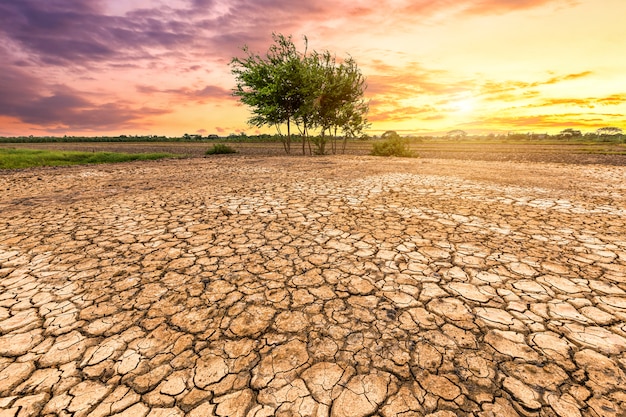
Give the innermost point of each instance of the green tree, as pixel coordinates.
(457, 134)
(568, 133)
(339, 106)
(390, 134)
(312, 91)
(610, 130)
(271, 85)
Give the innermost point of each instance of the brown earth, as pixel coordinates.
(255, 285)
(566, 153)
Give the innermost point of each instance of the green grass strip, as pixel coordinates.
(26, 158)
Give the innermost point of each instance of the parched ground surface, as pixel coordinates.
(335, 286)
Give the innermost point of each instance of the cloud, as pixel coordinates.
(556, 80)
(585, 102)
(505, 6)
(500, 90)
(411, 80)
(80, 32)
(548, 121)
(200, 95)
(30, 100)
(77, 32)
(612, 100)
(589, 102)
(405, 113)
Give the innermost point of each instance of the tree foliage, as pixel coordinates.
(390, 134)
(609, 130)
(312, 91)
(392, 144)
(570, 133)
(457, 133)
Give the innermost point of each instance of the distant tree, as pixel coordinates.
(390, 134)
(456, 133)
(610, 130)
(570, 133)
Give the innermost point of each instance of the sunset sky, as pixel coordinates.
(110, 67)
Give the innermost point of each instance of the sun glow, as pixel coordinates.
(464, 106)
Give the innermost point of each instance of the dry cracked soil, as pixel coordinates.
(331, 286)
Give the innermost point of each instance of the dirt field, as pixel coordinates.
(572, 153)
(251, 285)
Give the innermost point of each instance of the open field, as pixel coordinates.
(576, 153)
(255, 285)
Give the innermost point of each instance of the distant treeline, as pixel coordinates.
(453, 136)
(139, 138)
(58, 139)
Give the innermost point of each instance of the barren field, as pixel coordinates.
(567, 153)
(256, 285)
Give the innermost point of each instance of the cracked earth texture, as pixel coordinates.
(335, 286)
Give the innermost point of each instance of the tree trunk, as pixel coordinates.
(288, 143)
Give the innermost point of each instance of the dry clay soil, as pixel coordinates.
(330, 286)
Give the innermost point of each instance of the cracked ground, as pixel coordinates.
(334, 286)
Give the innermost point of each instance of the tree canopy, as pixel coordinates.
(609, 130)
(313, 91)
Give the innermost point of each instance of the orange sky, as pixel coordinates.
(109, 67)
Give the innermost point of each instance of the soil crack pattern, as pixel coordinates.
(344, 286)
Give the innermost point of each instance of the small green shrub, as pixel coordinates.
(219, 148)
(394, 146)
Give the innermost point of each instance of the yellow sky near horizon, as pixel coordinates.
(154, 67)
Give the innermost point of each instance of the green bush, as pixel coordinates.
(394, 146)
(219, 148)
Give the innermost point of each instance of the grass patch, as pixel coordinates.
(26, 158)
(220, 148)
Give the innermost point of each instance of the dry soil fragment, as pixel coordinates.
(362, 395)
(322, 379)
(67, 348)
(595, 337)
(235, 404)
(522, 393)
(252, 321)
(13, 375)
(18, 344)
(209, 371)
(280, 360)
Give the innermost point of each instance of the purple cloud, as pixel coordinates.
(59, 107)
